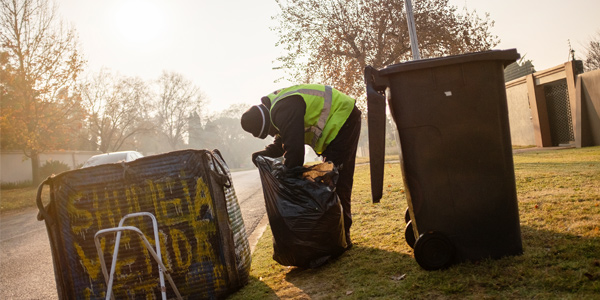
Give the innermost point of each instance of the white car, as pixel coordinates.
(112, 157)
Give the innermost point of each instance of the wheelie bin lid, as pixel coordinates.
(506, 56)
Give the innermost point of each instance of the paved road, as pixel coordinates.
(26, 270)
(248, 189)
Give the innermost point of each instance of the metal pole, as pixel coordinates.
(410, 19)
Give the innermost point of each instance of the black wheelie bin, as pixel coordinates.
(456, 154)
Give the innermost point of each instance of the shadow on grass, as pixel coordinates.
(255, 289)
(360, 272)
(560, 263)
(554, 265)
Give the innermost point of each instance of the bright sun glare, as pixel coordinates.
(139, 21)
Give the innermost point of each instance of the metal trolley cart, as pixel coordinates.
(199, 233)
(456, 155)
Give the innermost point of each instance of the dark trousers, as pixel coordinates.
(342, 152)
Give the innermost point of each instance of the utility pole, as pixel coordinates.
(414, 44)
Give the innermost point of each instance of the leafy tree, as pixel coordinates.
(592, 60)
(39, 67)
(117, 107)
(177, 99)
(331, 41)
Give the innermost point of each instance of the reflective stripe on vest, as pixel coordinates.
(327, 96)
(326, 112)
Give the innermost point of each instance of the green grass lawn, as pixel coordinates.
(559, 198)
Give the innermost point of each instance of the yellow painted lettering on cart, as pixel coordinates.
(133, 265)
(151, 195)
(133, 199)
(124, 266)
(168, 197)
(170, 211)
(103, 211)
(81, 220)
(204, 227)
(203, 196)
(87, 293)
(116, 198)
(202, 224)
(146, 288)
(184, 187)
(91, 266)
(181, 248)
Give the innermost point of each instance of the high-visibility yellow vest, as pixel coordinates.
(327, 109)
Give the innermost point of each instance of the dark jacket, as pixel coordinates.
(288, 116)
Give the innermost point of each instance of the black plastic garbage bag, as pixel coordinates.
(305, 214)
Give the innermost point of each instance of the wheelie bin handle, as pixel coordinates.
(376, 122)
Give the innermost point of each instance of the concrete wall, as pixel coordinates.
(519, 113)
(528, 111)
(587, 126)
(13, 167)
(16, 167)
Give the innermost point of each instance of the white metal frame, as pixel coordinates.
(162, 270)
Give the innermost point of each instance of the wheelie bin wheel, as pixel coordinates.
(406, 216)
(434, 251)
(409, 234)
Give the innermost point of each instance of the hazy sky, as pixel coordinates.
(227, 49)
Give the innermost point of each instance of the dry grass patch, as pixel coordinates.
(13, 200)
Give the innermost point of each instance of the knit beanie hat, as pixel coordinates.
(256, 120)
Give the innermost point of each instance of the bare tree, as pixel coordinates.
(592, 59)
(117, 107)
(223, 131)
(331, 41)
(40, 65)
(178, 99)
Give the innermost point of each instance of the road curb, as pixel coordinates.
(257, 233)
